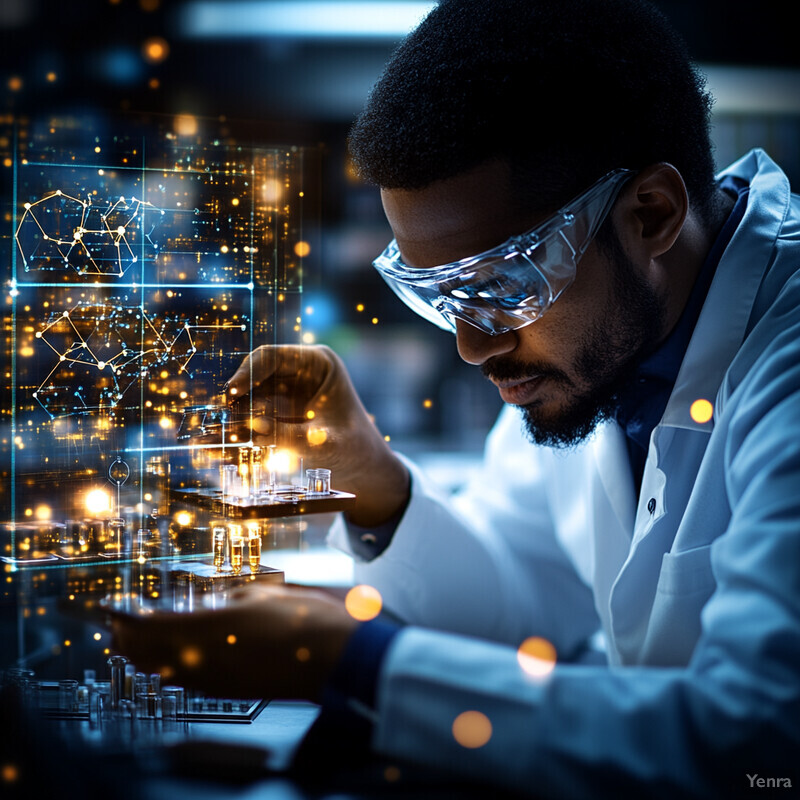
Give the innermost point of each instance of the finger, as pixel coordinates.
(267, 362)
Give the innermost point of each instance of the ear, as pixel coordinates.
(655, 205)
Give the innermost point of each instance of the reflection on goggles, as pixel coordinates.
(513, 284)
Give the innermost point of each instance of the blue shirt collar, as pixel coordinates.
(642, 405)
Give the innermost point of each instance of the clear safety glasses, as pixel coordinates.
(511, 285)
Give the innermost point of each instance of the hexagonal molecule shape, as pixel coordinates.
(59, 231)
(100, 351)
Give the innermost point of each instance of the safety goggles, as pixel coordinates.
(511, 285)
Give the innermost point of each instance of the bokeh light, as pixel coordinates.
(537, 656)
(98, 501)
(155, 49)
(701, 410)
(472, 729)
(363, 602)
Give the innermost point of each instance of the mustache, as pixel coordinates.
(503, 368)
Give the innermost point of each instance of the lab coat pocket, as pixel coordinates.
(687, 573)
(685, 584)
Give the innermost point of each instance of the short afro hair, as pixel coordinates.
(562, 90)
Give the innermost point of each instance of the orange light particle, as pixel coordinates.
(363, 602)
(191, 656)
(472, 729)
(537, 656)
(701, 410)
(155, 49)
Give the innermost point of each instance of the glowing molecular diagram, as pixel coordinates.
(104, 348)
(60, 231)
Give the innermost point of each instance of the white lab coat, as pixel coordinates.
(696, 586)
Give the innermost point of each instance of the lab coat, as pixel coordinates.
(695, 584)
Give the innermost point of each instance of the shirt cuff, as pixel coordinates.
(354, 680)
(369, 543)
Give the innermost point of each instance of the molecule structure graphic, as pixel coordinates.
(59, 231)
(103, 349)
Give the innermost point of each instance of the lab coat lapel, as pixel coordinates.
(613, 504)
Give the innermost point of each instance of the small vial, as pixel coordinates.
(117, 664)
(220, 540)
(178, 696)
(68, 695)
(116, 533)
(256, 472)
(318, 481)
(244, 470)
(143, 537)
(231, 481)
(130, 673)
(254, 547)
(141, 685)
(147, 705)
(237, 548)
(272, 467)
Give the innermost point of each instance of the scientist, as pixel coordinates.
(546, 170)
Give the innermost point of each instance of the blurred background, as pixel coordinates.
(268, 72)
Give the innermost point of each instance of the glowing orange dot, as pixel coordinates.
(363, 602)
(10, 773)
(155, 49)
(185, 124)
(391, 774)
(427, 403)
(154, 83)
(15, 83)
(303, 654)
(302, 249)
(191, 656)
(360, 307)
(374, 320)
(310, 414)
(472, 729)
(701, 410)
(537, 656)
(51, 77)
(231, 639)
(316, 436)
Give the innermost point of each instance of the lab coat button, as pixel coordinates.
(651, 505)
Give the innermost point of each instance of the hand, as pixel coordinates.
(269, 641)
(302, 397)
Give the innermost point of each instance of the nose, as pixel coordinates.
(475, 346)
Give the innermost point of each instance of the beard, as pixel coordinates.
(608, 355)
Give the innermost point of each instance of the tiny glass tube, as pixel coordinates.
(256, 472)
(220, 540)
(244, 470)
(272, 467)
(237, 548)
(117, 664)
(231, 482)
(143, 537)
(116, 533)
(254, 546)
(178, 695)
(68, 695)
(318, 481)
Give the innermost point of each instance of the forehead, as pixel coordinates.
(456, 217)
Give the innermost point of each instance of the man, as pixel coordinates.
(647, 526)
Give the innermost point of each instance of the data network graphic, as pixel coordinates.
(140, 267)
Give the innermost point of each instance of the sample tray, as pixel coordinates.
(291, 502)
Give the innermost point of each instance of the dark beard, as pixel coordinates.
(608, 357)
